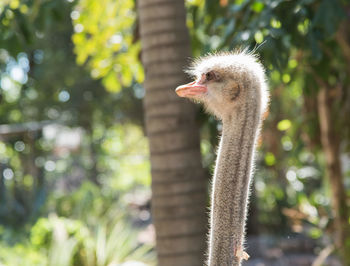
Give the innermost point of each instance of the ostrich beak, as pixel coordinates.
(191, 89)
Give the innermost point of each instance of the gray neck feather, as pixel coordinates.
(231, 183)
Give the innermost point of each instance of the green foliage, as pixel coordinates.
(21, 255)
(40, 80)
(70, 242)
(97, 232)
(104, 41)
(61, 241)
(280, 25)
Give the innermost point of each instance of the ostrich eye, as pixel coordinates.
(210, 76)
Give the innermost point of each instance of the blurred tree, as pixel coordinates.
(40, 80)
(179, 187)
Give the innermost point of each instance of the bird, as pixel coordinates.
(232, 86)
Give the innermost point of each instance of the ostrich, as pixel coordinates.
(232, 87)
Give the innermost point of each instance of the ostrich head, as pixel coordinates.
(227, 83)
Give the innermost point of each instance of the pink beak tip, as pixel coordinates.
(190, 89)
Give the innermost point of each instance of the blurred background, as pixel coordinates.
(75, 166)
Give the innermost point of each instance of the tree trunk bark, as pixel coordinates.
(179, 189)
(331, 147)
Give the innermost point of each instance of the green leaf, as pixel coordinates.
(257, 7)
(284, 125)
(259, 37)
(111, 83)
(270, 159)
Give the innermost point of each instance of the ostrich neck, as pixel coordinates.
(231, 186)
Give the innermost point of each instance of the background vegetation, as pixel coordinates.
(74, 164)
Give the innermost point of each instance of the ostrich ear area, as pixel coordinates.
(191, 89)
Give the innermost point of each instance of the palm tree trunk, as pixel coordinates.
(178, 182)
